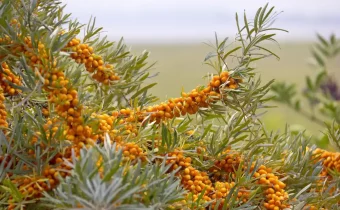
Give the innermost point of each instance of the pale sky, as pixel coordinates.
(192, 20)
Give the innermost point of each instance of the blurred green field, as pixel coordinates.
(181, 66)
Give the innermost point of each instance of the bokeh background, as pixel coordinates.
(174, 31)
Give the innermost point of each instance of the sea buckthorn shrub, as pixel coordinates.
(79, 129)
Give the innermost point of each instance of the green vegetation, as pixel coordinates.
(81, 129)
(184, 63)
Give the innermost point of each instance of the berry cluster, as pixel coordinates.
(224, 81)
(15, 23)
(132, 152)
(6, 78)
(62, 95)
(66, 104)
(33, 186)
(227, 166)
(189, 103)
(64, 98)
(276, 196)
(193, 180)
(330, 160)
(223, 189)
(196, 181)
(217, 184)
(117, 128)
(30, 187)
(5, 42)
(274, 191)
(176, 159)
(3, 113)
(312, 207)
(83, 53)
(331, 163)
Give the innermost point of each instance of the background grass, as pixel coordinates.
(181, 66)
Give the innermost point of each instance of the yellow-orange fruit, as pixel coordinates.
(3, 113)
(6, 78)
(83, 53)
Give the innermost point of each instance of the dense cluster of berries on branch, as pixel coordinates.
(64, 97)
(276, 196)
(3, 113)
(189, 103)
(61, 94)
(6, 78)
(192, 179)
(330, 160)
(330, 169)
(126, 122)
(94, 64)
(81, 53)
(218, 181)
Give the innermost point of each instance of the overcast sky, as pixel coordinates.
(192, 20)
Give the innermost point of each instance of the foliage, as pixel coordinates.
(321, 94)
(79, 129)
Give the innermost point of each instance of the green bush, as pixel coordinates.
(79, 129)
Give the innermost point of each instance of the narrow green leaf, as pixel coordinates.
(240, 32)
(222, 44)
(268, 14)
(274, 29)
(246, 26)
(271, 53)
(231, 51)
(210, 55)
(303, 190)
(14, 190)
(261, 15)
(318, 58)
(256, 20)
(143, 90)
(322, 40)
(333, 39)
